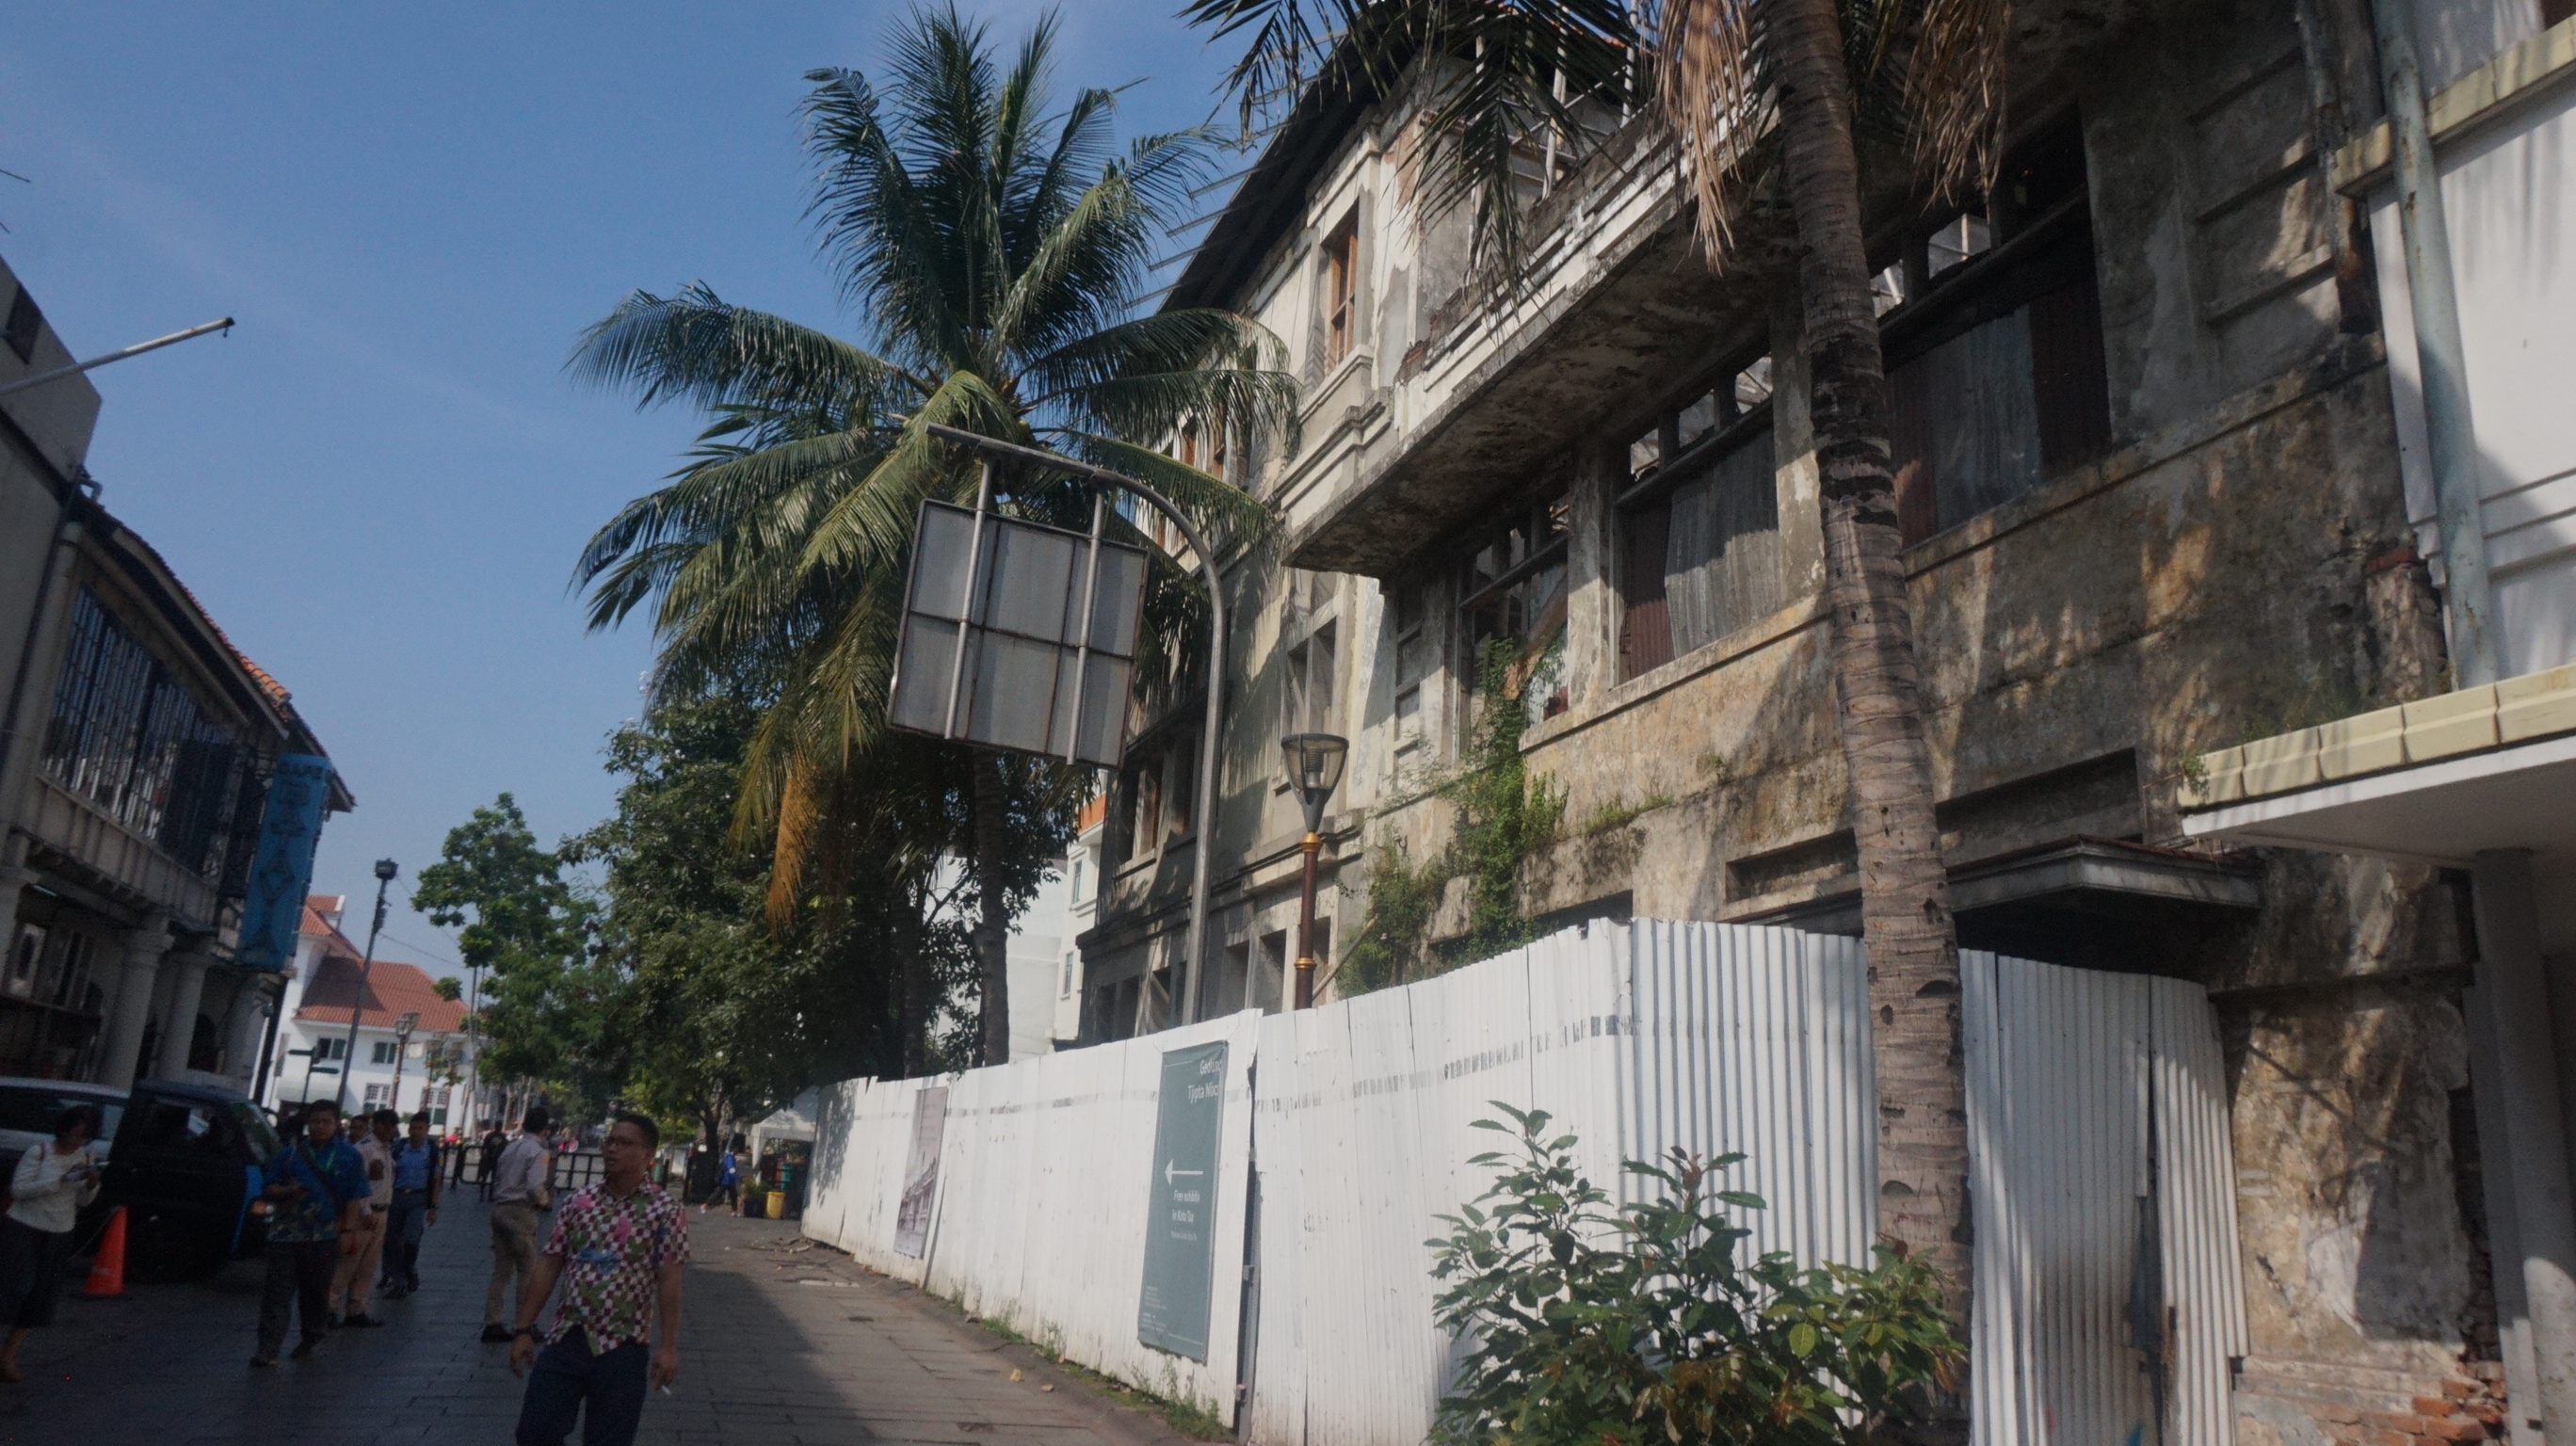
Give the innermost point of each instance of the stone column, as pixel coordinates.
(245, 1025)
(144, 946)
(179, 1025)
(2512, 992)
(1793, 440)
(1592, 609)
(15, 876)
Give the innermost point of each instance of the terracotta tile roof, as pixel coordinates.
(392, 989)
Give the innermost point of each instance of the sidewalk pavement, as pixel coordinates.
(781, 1341)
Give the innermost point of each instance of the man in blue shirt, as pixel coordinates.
(316, 1193)
(416, 1184)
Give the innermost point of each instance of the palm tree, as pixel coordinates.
(1787, 89)
(993, 251)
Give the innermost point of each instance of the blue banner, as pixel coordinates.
(281, 873)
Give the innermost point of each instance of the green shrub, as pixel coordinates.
(1595, 1326)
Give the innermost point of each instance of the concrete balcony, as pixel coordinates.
(2444, 780)
(1617, 309)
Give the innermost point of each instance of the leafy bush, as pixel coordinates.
(1601, 1326)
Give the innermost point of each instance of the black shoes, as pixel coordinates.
(360, 1321)
(496, 1335)
(304, 1347)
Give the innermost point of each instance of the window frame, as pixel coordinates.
(1337, 274)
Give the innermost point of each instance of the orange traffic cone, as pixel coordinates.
(107, 1268)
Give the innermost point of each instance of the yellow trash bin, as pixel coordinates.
(777, 1204)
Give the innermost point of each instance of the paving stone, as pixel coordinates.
(764, 1359)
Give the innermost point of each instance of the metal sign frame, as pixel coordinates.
(1008, 640)
(1204, 825)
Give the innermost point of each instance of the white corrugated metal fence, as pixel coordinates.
(2106, 1261)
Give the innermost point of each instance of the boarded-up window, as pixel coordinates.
(1996, 380)
(1512, 604)
(1703, 554)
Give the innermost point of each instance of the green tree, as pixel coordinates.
(727, 1010)
(446, 987)
(547, 1001)
(994, 249)
(1779, 100)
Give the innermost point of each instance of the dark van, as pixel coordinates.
(186, 1166)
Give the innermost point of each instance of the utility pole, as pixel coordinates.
(404, 1024)
(385, 871)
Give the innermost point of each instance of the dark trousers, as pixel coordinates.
(605, 1390)
(403, 1227)
(299, 1276)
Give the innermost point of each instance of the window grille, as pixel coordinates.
(131, 739)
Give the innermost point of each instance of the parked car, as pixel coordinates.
(28, 1107)
(186, 1165)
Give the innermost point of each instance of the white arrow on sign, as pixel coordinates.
(1173, 1167)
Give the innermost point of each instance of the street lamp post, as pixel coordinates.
(1204, 824)
(1314, 769)
(385, 871)
(404, 1024)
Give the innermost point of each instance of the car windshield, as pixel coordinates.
(255, 1127)
(32, 1108)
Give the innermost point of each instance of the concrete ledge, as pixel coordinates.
(2450, 725)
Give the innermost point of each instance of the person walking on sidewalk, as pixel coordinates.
(618, 1247)
(522, 1185)
(355, 1278)
(416, 1187)
(494, 1142)
(53, 1181)
(728, 1185)
(317, 1195)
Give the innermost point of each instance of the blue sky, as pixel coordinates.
(378, 482)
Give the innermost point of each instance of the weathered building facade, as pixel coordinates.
(2158, 509)
(135, 758)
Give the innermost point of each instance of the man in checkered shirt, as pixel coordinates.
(617, 1246)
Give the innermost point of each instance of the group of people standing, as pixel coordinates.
(347, 1211)
(615, 1247)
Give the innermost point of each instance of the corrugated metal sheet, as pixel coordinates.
(2097, 1119)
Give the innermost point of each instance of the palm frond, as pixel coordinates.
(695, 347)
(1710, 91)
(1953, 95)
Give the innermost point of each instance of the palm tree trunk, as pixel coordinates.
(993, 918)
(1912, 942)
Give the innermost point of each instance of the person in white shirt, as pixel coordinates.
(52, 1182)
(522, 1185)
(355, 1275)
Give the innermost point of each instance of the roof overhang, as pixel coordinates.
(2444, 812)
(2083, 901)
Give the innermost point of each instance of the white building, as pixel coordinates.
(1082, 883)
(1040, 940)
(313, 1041)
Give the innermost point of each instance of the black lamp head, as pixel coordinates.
(1314, 762)
(386, 869)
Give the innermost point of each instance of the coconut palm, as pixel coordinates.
(992, 250)
(1776, 97)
